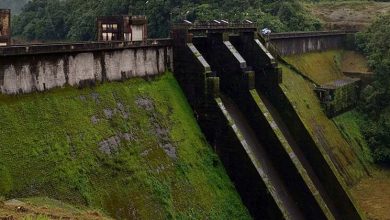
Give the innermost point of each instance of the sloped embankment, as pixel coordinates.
(323, 130)
(321, 67)
(132, 149)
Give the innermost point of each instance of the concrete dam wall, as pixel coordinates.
(305, 42)
(29, 69)
(232, 83)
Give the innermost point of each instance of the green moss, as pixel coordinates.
(6, 180)
(321, 67)
(39, 217)
(50, 143)
(323, 130)
(348, 124)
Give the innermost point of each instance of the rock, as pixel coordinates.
(161, 132)
(14, 202)
(145, 103)
(121, 108)
(110, 145)
(95, 97)
(95, 119)
(128, 137)
(83, 98)
(108, 113)
(170, 150)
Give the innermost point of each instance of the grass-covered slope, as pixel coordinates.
(348, 124)
(372, 192)
(323, 130)
(131, 148)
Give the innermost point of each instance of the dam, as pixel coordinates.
(233, 84)
(232, 80)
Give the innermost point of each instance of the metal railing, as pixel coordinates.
(216, 26)
(300, 34)
(60, 47)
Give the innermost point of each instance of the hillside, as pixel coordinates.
(132, 149)
(348, 14)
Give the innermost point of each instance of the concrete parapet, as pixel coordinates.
(26, 73)
(304, 42)
(53, 48)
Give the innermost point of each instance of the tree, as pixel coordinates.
(58, 20)
(375, 101)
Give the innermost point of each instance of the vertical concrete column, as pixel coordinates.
(232, 69)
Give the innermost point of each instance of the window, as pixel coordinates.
(105, 35)
(115, 26)
(127, 37)
(104, 27)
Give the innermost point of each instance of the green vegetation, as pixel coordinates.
(132, 149)
(48, 20)
(321, 67)
(375, 99)
(349, 125)
(326, 134)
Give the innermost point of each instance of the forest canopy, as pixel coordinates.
(375, 101)
(74, 20)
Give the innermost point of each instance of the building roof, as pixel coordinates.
(339, 83)
(134, 19)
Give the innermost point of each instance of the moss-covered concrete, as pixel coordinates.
(336, 157)
(317, 156)
(237, 82)
(192, 70)
(321, 67)
(132, 149)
